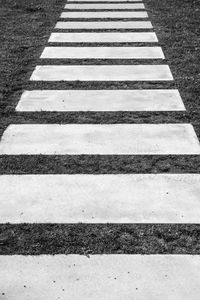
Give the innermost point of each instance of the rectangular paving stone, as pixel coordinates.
(101, 100)
(103, 37)
(104, 25)
(104, 14)
(110, 139)
(110, 277)
(102, 73)
(124, 198)
(104, 6)
(103, 53)
(104, 1)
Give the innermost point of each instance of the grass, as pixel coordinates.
(25, 29)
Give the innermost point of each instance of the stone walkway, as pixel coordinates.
(109, 198)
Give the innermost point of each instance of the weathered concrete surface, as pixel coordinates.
(109, 277)
(74, 139)
(104, 6)
(104, 14)
(101, 100)
(102, 73)
(124, 198)
(103, 53)
(103, 37)
(104, 25)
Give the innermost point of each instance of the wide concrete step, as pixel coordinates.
(104, 1)
(123, 198)
(104, 6)
(104, 14)
(103, 37)
(101, 100)
(110, 277)
(75, 139)
(103, 53)
(102, 73)
(104, 25)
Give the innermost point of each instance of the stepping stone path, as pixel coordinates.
(90, 198)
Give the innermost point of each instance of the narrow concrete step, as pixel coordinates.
(110, 277)
(101, 100)
(75, 139)
(103, 53)
(102, 73)
(104, 14)
(103, 37)
(133, 198)
(104, 6)
(104, 25)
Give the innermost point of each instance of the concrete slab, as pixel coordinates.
(104, 14)
(101, 100)
(109, 277)
(103, 37)
(104, 6)
(127, 198)
(104, 25)
(105, 1)
(103, 53)
(102, 73)
(75, 139)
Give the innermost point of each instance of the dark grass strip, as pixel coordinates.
(112, 117)
(102, 19)
(103, 44)
(59, 30)
(98, 164)
(86, 239)
(94, 62)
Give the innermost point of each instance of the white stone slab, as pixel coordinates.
(104, 6)
(104, 25)
(101, 100)
(103, 37)
(109, 277)
(108, 139)
(104, 14)
(103, 53)
(105, 1)
(102, 73)
(135, 198)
